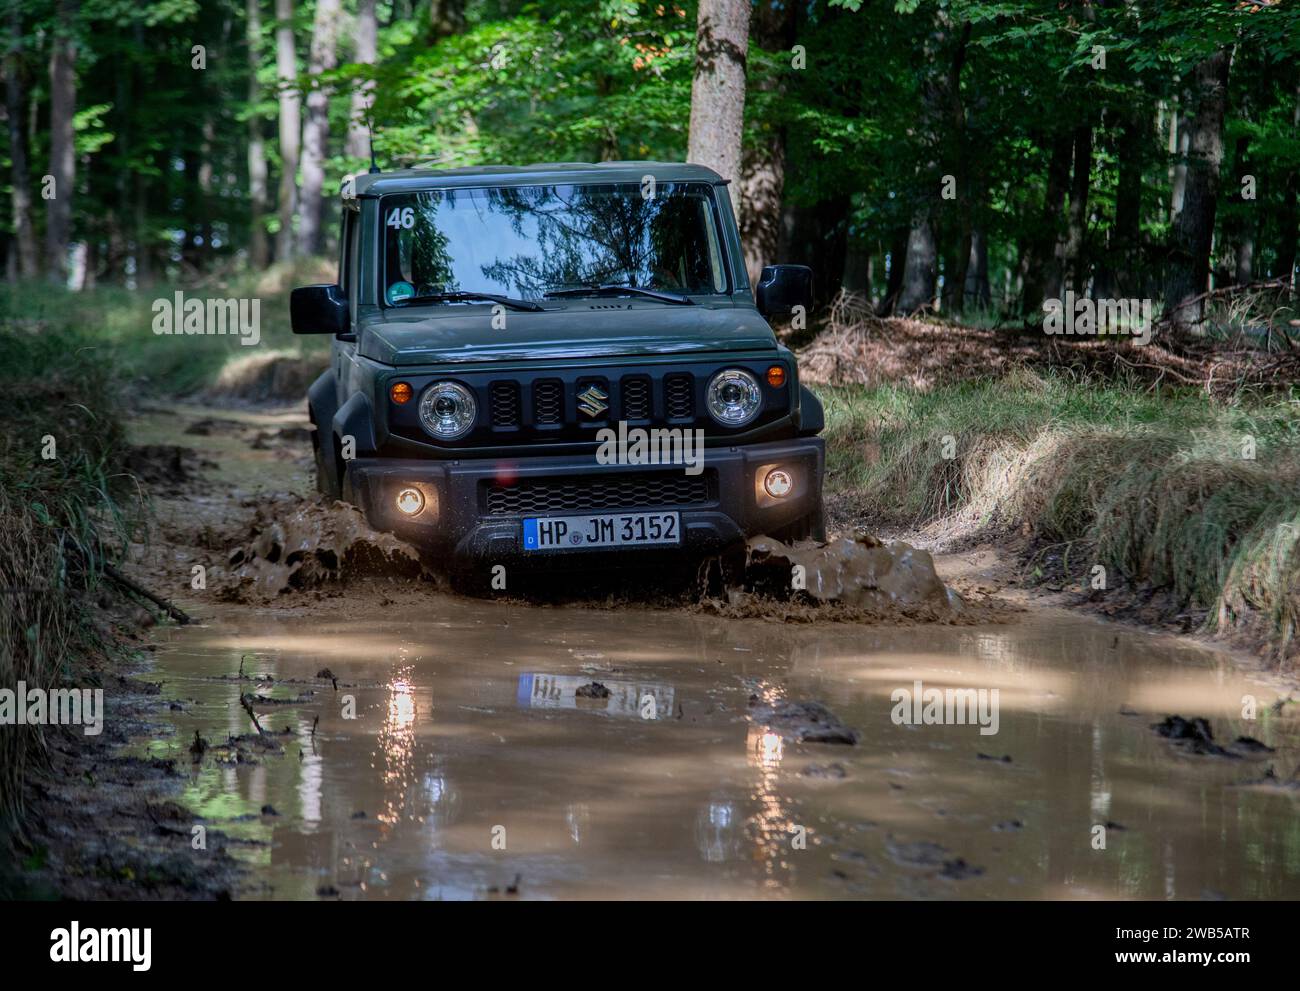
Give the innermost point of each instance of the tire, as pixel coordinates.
(324, 485)
(810, 527)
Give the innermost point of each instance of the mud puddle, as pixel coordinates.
(420, 744)
(477, 722)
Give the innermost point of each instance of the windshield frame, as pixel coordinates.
(725, 246)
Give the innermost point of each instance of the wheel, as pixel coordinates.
(812, 526)
(325, 483)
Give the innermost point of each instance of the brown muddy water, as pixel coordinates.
(481, 762)
(468, 727)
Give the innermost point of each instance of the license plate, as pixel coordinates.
(554, 533)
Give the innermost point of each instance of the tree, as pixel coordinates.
(1193, 231)
(762, 184)
(315, 131)
(718, 91)
(16, 93)
(367, 51)
(258, 249)
(63, 160)
(286, 66)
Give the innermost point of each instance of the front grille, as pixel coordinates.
(679, 397)
(636, 398)
(504, 404)
(648, 490)
(548, 401)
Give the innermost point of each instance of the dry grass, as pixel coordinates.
(1157, 485)
(855, 347)
(60, 515)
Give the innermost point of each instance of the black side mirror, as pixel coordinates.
(783, 287)
(319, 310)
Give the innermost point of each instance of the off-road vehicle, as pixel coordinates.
(494, 328)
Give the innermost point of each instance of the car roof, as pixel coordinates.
(368, 184)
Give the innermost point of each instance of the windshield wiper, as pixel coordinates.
(461, 296)
(614, 289)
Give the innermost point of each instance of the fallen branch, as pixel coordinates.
(171, 609)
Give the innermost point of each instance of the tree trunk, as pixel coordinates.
(286, 68)
(1290, 215)
(1076, 255)
(446, 17)
(818, 237)
(977, 271)
(1126, 244)
(894, 275)
(204, 255)
(63, 161)
(921, 265)
(25, 252)
(762, 185)
(1039, 269)
(1180, 127)
(315, 130)
(1192, 235)
(259, 252)
(367, 33)
(718, 90)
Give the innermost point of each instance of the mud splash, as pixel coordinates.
(295, 544)
(857, 579)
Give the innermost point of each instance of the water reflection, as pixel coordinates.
(665, 788)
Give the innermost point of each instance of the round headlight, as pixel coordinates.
(733, 397)
(447, 410)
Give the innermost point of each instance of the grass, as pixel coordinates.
(121, 323)
(65, 509)
(1160, 488)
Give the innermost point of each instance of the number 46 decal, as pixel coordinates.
(403, 217)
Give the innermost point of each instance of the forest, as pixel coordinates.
(967, 158)
(1104, 528)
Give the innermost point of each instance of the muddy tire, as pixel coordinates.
(323, 483)
(810, 527)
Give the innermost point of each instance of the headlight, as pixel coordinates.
(447, 410)
(733, 397)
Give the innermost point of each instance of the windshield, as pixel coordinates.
(525, 241)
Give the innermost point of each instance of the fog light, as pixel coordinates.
(410, 501)
(776, 376)
(778, 483)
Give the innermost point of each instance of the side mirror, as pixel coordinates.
(783, 287)
(319, 310)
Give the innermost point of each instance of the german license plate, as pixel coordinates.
(555, 533)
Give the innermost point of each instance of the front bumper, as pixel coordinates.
(460, 520)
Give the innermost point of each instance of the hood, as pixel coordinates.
(441, 333)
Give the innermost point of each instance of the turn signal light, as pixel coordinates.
(776, 376)
(401, 392)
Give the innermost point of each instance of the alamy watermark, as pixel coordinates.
(657, 446)
(921, 706)
(94, 945)
(1098, 317)
(235, 316)
(55, 707)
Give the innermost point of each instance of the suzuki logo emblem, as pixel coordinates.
(592, 401)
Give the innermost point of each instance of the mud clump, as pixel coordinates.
(300, 545)
(802, 722)
(167, 469)
(1195, 736)
(595, 690)
(857, 578)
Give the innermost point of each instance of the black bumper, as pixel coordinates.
(473, 509)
